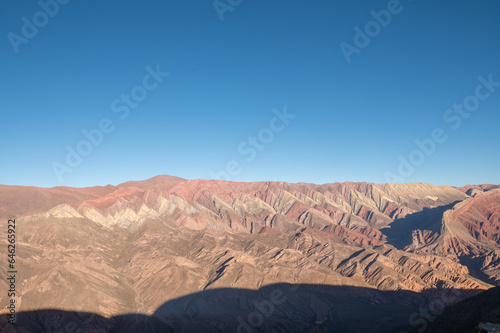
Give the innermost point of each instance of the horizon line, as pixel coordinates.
(255, 181)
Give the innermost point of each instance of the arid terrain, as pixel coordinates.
(169, 254)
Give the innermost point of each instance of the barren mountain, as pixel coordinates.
(196, 255)
(470, 231)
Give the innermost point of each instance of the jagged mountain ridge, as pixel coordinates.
(139, 244)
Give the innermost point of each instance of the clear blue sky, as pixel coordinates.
(352, 121)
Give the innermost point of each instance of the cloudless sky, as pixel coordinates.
(353, 121)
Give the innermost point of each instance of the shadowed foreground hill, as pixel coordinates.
(465, 315)
(274, 308)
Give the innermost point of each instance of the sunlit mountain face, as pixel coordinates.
(170, 254)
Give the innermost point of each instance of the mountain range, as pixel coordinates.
(170, 254)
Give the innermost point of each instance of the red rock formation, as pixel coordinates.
(140, 244)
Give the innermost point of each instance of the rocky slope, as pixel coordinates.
(140, 246)
(470, 231)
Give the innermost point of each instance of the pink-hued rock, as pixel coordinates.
(130, 248)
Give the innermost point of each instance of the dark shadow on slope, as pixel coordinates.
(466, 315)
(273, 308)
(474, 264)
(400, 232)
